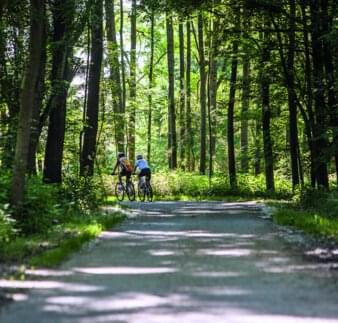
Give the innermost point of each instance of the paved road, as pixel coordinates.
(182, 262)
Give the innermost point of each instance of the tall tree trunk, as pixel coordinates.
(132, 83)
(150, 87)
(309, 119)
(52, 172)
(213, 93)
(266, 116)
(292, 96)
(38, 103)
(244, 113)
(37, 12)
(189, 135)
(230, 128)
(203, 79)
(123, 67)
(182, 96)
(114, 64)
(331, 90)
(90, 131)
(172, 145)
(320, 132)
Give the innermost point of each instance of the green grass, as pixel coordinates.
(308, 221)
(53, 247)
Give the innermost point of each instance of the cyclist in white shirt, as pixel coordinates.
(142, 168)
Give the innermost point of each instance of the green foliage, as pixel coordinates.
(85, 194)
(194, 185)
(7, 231)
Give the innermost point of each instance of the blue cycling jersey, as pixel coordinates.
(141, 164)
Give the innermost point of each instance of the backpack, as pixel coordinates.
(126, 164)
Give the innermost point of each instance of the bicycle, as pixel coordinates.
(128, 188)
(145, 191)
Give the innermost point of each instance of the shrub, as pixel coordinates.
(7, 231)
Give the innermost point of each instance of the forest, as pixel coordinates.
(222, 97)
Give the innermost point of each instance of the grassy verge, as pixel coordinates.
(51, 248)
(312, 221)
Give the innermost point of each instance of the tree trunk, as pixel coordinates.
(132, 83)
(114, 64)
(266, 114)
(90, 130)
(38, 103)
(37, 12)
(244, 113)
(182, 96)
(189, 135)
(52, 172)
(309, 119)
(123, 68)
(203, 133)
(172, 145)
(151, 81)
(320, 131)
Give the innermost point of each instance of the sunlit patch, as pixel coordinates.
(225, 252)
(162, 253)
(192, 234)
(297, 268)
(126, 301)
(17, 297)
(113, 235)
(215, 291)
(217, 274)
(27, 284)
(126, 270)
(48, 272)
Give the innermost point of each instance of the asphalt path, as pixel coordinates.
(181, 262)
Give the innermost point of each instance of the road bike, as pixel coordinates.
(144, 189)
(122, 189)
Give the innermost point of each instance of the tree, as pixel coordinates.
(37, 11)
(115, 78)
(132, 83)
(203, 79)
(172, 145)
(88, 153)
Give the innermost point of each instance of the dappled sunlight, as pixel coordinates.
(225, 252)
(48, 272)
(125, 270)
(48, 284)
(163, 253)
(319, 268)
(216, 291)
(122, 301)
(113, 235)
(215, 274)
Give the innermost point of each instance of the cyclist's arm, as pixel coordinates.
(115, 167)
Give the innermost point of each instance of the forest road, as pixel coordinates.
(182, 262)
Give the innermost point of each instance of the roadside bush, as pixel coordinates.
(7, 231)
(195, 185)
(83, 194)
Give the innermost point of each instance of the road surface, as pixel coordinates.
(181, 262)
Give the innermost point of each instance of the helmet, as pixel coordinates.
(139, 157)
(121, 154)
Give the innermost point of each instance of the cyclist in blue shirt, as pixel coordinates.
(142, 168)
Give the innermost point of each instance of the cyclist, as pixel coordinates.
(124, 166)
(142, 168)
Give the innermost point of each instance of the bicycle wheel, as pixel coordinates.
(119, 191)
(149, 191)
(130, 189)
(141, 192)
